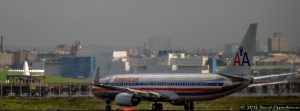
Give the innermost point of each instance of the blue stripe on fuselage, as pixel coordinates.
(144, 83)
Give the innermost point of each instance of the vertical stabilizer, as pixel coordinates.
(26, 69)
(241, 61)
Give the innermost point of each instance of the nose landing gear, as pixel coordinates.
(108, 105)
(189, 106)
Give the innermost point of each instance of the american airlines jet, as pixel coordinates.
(182, 88)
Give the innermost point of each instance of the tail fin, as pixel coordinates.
(26, 69)
(242, 59)
(97, 76)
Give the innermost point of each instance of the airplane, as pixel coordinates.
(181, 88)
(26, 71)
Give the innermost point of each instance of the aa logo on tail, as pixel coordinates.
(241, 54)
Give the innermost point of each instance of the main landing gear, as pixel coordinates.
(157, 107)
(108, 105)
(189, 106)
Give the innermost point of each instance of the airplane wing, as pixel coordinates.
(286, 80)
(270, 83)
(274, 75)
(132, 91)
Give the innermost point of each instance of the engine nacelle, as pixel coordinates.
(126, 99)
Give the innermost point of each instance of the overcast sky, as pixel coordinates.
(189, 23)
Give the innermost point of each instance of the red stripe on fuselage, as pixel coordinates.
(166, 89)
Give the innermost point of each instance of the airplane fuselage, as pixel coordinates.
(178, 87)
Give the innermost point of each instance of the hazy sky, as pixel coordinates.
(189, 23)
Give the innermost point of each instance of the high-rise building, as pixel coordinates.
(6, 59)
(159, 43)
(277, 43)
(63, 49)
(77, 48)
(31, 56)
(1, 45)
(134, 52)
(19, 57)
(230, 49)
(155, 44)
(261, 46)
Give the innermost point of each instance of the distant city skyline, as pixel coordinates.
(188, 24)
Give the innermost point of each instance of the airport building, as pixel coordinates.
(261, 46)
(77, 67)
(65, 65)
(166, 61)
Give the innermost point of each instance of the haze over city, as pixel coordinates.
(114, 54)
(189, 24)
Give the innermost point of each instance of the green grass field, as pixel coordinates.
(49, 78)
(227, 103)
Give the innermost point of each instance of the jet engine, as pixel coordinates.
(126, 99)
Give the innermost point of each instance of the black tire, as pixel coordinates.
(157, 107)
(186, 107)
(153, 106)
(108, 108)
(189, 106)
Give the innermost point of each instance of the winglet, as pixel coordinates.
(97, 76)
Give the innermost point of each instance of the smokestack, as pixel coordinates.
(1, 46)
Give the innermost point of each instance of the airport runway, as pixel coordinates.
(91, 103)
